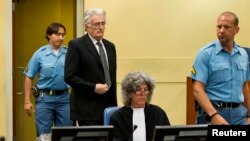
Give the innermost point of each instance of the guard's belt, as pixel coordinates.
(230, 105)
(53, 92)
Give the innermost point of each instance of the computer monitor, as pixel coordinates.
(82, 133)
(181, 133)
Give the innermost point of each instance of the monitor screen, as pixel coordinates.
(181, 133)
(82, 133)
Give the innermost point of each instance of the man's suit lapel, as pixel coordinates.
(91, 48)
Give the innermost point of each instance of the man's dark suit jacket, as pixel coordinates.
(83, 70)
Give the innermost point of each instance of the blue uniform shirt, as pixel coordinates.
(49, 67)
(222, 73)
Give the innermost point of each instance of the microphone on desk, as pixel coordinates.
(131, 135)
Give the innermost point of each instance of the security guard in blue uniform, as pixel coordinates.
(52, 97)
(220, 77)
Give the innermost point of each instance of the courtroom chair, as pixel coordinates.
(191, 102)
(108, 112)
(248, 53)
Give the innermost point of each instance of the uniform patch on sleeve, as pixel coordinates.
(193, 71)
(26, 69)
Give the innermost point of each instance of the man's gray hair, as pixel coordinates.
(89, 13)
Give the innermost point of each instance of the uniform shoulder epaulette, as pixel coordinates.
(64, 47)
(239, 46)
(211, 44)
(42, 48)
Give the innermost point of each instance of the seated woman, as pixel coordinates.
(137, 119)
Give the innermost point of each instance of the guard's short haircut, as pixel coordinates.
(226, 13)
(53, 28)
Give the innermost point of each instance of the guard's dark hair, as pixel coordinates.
(53, 28)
